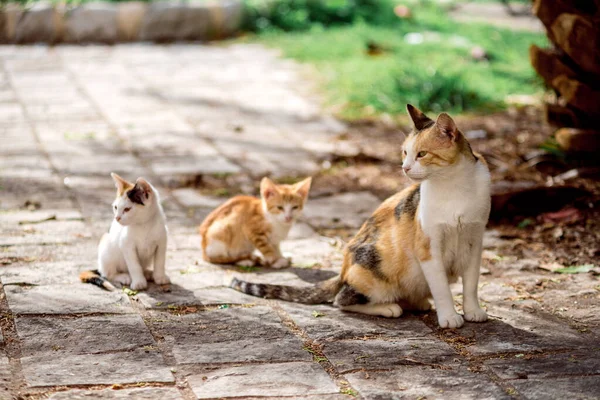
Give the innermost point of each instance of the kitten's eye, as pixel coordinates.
(421, 154)
(280, 208)
(115, 207)
(295, 208)
(126, 209)
(404, 152)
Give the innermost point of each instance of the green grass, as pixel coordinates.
(438, 74)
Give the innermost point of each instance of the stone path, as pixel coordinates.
(182, 115)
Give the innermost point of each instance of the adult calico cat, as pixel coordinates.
(417, 241)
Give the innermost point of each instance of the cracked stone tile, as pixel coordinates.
(86, 335)
(228, 335)
(453, 382)
(572, 388)
(335, 324)
(287, 379)
(49, 232)
(347, 355)
(5, 377)
(515, 328)
(95, 369)
(205, 297)
(43, 273)
(349, 210)
(66, 299)
(310, 251)
(150, 393)
(544, 366)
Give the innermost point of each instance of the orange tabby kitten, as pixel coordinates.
(232, 231)
(417, 241)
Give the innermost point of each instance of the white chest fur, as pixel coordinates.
(462, 197)
(279, 230)
(144, 238)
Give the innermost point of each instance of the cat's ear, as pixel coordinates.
(268, 188)
(420, 120)
(303, 187)
(447, 127)
(121, 184)
(140, 192)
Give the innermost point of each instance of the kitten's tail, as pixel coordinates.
(95, 278)
(322, 292)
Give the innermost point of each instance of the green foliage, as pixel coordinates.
(433, 71)
(300, 15)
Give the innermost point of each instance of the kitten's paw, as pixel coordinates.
(477, 315)
(451, 321)
(138, 284)
(281, 263)
(245, 263)
(161, 279)
(123, 279)
(391, 311)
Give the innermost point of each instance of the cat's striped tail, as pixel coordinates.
(95, 278)
(322, 292)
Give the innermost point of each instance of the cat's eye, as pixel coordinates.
(421, 154)
(115, 207)
(295, 208)
(280, 208)
(404, 152)
(126, 209)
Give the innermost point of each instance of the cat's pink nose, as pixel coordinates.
(118, 219)
(406, 169)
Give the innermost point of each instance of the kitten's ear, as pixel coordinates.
(420, 120)
(121, 184)
(140, 192)
(446, 125)
(267, 188)
(303, 187)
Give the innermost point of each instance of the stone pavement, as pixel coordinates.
(190, 118)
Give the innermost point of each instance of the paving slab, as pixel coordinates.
(350, 355)
(265, 380)
(452, 381)
(542, 366)
(335, 324)
(35, 272)
(347, 210)
(576, 388)
(202, 297)
(95, 369)
(66, 299)
(5, 377)
(86, 335)
(150, 393)
(228, 335)
(310, 251)
(521, 329)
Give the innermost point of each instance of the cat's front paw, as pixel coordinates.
(477, 315)
(138, 284)
(451, 321)
(161, 279)
(123, 279)
(282, 262)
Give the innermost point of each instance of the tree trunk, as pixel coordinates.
(572, 68)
